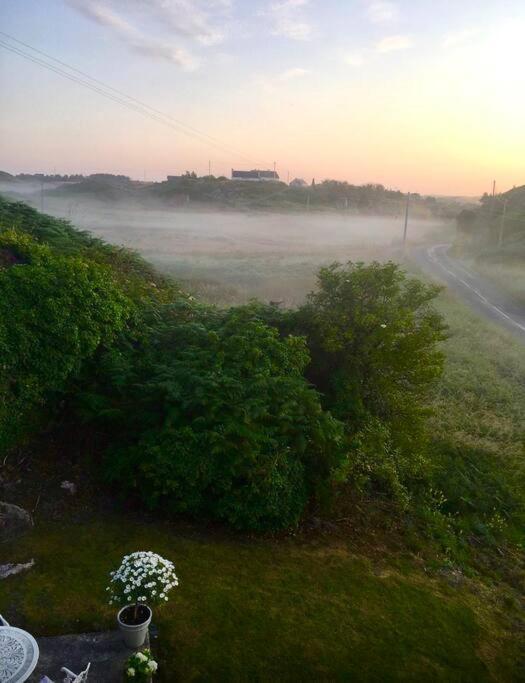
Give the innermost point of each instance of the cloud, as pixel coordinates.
(193, 21)
(286, 19)
(289, 74)
(188, 18)
(354, 59)
(459, 37)
(176, 55)
(393, 43)
(382, 11)
(101, 15)
(273, 83)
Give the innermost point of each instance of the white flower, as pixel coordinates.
(147, 571)
(141, 656)
(130, 671)
(383, 325)
(153, 666)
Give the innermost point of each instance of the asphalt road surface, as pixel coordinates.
(480, 294)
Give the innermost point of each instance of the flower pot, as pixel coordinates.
(134, 629)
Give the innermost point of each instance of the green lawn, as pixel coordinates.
(265, 609)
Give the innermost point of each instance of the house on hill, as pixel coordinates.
(255, 175)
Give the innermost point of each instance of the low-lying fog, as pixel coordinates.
(230, 256)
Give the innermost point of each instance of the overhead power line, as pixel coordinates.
(117, 96)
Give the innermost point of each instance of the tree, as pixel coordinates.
(466, 221)
(373, 339)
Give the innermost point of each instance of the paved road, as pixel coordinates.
(481, 295)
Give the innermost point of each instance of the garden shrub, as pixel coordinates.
(55, 311)
(373, 335)
(220, 420)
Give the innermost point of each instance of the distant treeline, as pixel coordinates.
(220, 192)
(496, 229)
(52, 177)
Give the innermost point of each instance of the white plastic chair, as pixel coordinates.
(3, 622)
(75, 678)
(70, 676)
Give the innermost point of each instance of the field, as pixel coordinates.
(230, 257)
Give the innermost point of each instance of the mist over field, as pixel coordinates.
(232, 256)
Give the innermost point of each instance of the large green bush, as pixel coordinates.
(55, 311)
(373, 338)
(216, 418)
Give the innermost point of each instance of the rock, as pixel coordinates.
(69, 486)
(14, 520)
(11, 569)
(454, 577)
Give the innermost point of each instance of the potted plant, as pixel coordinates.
(143, 579)
(140, 667)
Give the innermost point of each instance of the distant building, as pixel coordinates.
(255, 175)
(191, 175)
(298, 182)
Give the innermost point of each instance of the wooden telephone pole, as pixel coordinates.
(502, 224)
(406, 220)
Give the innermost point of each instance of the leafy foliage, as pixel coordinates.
(134, 275)
(219, 420)
(53, 231)
(55, 311)
(494, 232)
(373, 335)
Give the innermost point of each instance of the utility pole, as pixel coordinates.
(493, 198)
(406, 220)
(502, 224)
(274, 167)
(209, 167)
(308, 201)
(288, 177)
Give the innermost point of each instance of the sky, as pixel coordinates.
(421, 96)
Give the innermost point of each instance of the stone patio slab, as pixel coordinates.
(105, 650)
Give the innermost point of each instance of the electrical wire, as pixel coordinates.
(117, 96)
